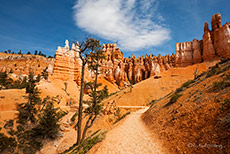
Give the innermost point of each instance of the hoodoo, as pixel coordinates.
(124, 71)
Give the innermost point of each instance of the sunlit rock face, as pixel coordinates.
(208, 48)
(215, 44)
(184, 54)
(196, 48)
(115, 68)
(67, 63)
(125, 71)
(221, 36)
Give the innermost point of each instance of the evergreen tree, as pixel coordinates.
(48, 122)
(5, 81)
(89, 53)
(27, 111)
(20, 52)
(34, 123)
(38, 78)
(45, 73)
(94, 104)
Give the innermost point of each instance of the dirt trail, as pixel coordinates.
(129, 137)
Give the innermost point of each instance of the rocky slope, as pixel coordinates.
(19, 65)
(195, 119)
(156, 87)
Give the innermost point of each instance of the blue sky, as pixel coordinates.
(137, 26)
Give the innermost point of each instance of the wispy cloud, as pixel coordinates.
(132, 24)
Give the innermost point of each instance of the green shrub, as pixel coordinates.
(122, 117)
(186, 84)
(45, 73)
(174, 98)
(9, 124)
(117, 113)
(152, 102)
(218, 86)
(7, 144)
(214, 70)
(173, 117)
(178, 90)
(74, 117)
(87, 144)
(225, 104)
(48, 122)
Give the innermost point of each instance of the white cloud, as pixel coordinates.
(132, 24)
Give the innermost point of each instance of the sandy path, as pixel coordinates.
(129, 137)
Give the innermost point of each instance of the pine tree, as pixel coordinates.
(91, 54)
(45, 73)
(38, 78)
(27, 111)
(35, 123)
(48, 122)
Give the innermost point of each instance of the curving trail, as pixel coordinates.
(129, 137)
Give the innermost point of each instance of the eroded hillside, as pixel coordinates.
(20, 65)
(195, 118)
(156, 87)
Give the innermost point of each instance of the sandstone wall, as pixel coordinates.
(215, 44)
(67, 63)
(222, 41)
(124, 71)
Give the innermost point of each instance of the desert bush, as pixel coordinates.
(225, 104)
(45, 73)
(173, 117)
(152, 102)
(117, 113)
(174, 98)
(214, 70)
(9, 124)
(218, 86)
(188, 83)
(222, 61)
(121, 117)
(7, 143)
(87, 144)
(184, 86)
(73, 118)
(7, 83)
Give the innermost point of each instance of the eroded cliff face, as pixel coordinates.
(115, 68)
(215, 44)
(67, 63)
(125, 71)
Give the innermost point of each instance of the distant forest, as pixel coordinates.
(28, 53)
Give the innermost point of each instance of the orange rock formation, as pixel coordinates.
(215, 44)
(67, 63)
(19, 65)
(124, 71)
